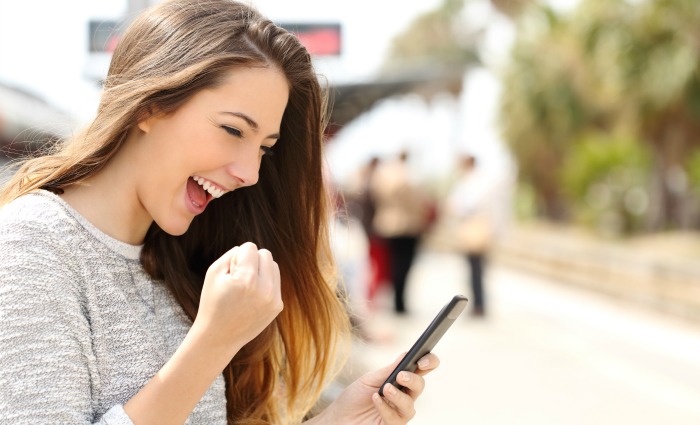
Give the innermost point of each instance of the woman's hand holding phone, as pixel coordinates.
(427, 341)
(376, 399)
(361, 404)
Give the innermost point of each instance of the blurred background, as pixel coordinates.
(540, 157)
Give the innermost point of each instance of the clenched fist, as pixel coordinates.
(241, 297)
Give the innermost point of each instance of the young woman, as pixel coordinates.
(137, 282)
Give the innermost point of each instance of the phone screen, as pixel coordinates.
(426, 342)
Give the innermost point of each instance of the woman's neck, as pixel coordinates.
(109, 201)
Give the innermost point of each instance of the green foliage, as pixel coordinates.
(644, 56)
(693, 167)
(543, 109)
(525, 202)
(610, 67)
(595, 156)
(436, 39)
(606, 178)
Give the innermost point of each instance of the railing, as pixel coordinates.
(661, 272)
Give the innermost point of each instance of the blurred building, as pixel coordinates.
(26, 121)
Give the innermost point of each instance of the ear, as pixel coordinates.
(146, 120)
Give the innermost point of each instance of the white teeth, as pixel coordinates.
(209, 187)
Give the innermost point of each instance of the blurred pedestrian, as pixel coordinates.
(137, 282)
(402, 214)
(470, 205)
(366, 210)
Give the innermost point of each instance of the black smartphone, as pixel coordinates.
(426, 342)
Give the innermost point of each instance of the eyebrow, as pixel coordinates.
(251, 122)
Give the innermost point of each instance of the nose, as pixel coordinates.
(245, 169)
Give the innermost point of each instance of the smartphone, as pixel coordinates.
(426, 342)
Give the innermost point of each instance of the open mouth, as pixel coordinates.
(197, 194)
(201, 191)
(208, 186)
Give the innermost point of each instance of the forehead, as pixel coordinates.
(261, 92)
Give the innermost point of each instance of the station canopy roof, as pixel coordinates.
(350, 100)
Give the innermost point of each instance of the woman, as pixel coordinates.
(138, 284)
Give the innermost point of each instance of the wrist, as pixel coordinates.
(205, 337)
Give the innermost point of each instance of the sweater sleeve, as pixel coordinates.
(45, 342)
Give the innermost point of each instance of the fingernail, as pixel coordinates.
(423, 363)
(405, 377)
(391, 389)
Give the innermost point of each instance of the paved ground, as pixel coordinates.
(546, 354)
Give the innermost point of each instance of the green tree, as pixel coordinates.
(656, 52)
(436, 40)
(542, 106)
(612, 66)
(607, 178)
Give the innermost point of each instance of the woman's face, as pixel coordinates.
(211, 145)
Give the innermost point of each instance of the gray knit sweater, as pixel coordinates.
(82, 327)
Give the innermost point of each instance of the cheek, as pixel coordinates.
(188, 149)
(188, 146)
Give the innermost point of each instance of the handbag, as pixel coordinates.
(474, 233)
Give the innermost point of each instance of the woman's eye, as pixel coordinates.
(232, 131)
(267, 150)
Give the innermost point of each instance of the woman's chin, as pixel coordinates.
(175, 228)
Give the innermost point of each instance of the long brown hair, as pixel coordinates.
(167, 55)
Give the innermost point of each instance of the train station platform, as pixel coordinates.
(547, 353)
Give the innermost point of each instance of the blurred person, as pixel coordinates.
(402, 215)
(365, 209)
(470, 205)
(138, 283)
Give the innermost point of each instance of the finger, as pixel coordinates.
(223, 264)
(401, 402)
(277, 279)
(266, 269)
(245, 261)
(427, 363)
(414, 384)
(388, 413)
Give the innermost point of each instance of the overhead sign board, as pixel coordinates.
(319, 39)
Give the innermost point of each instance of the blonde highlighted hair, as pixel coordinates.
(167, 55)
